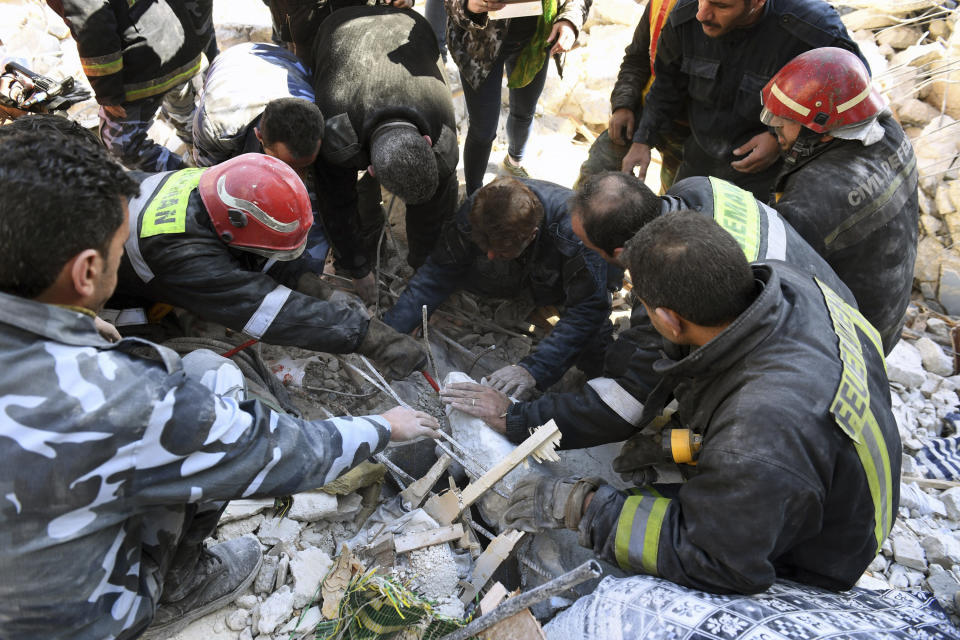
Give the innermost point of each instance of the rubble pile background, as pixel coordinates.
(914, 51)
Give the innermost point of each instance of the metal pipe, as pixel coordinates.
(511, 606)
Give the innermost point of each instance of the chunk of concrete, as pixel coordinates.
(948, 292)
(243, 508)
(933, 358)
(942, 549)
(905, 365)
(951, 500)
(312, 506)
(945, 588)
(276, 530)
(908, 552)
(275, 610)
(309, 568)
(238, 620)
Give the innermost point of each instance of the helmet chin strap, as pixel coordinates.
(807, 142)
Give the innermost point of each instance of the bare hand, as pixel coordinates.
(638, 156)
(482, 6)
(513, 380)
(621, 125)
(479, 401)
(106, 330)
(762, 150)
(114, 110)
(366, 288)
(407, 424)
(563, 36)
(401, 4)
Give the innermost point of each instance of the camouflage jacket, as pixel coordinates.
(104, 452)
(474, 40)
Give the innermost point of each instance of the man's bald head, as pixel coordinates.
(609, 208)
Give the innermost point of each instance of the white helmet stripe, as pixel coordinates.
(248, 207)
(787, 100)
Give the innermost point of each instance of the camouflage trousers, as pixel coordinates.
(127, 138)
(605, 155)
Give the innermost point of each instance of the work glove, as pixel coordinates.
(312, 285)
(546, 502)
(397, 354)
(513, 380)
(637, 457)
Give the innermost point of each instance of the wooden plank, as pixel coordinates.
(416, 492)
(480, 486)
(496, 595)
(930, 483)
(420, 539)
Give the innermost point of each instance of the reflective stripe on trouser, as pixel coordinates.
(638, 530)
(851, 407)
(127, 137)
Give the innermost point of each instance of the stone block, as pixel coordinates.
(309, 568)
(951, 500)
(243, 508)
(872, 583)
(868, 18)
(943, 199)
(919, 55)
(595, 106)
(927, 266)
(267, 577)
(908, 552)
(942, 549)
(933, 358)
(311, 506)
(239, 528)
(900, 36)
(945, 587)
(948, 289)
(275, 610)
(916, 112)
(276, 530)
(904, 365)
(238, 620)
(247, 601)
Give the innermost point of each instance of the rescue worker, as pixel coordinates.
(799, 472)
(513, 236)
(295, 22)
(626, 104)
(223, 243)
(849, 179)
(380, 85)
(257, 98)
(607, 210)
(139, 58)
(116, 466)
(713, 59)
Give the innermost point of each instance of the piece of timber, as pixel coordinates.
(417, 491)
(491, 558)
(411, 541)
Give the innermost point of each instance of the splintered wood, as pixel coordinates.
(541, 445)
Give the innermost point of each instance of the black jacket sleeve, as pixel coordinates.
(634, 69)
(94, 26)
(668, 94)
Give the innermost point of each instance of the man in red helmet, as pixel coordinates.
(849, 181)
(223, 243)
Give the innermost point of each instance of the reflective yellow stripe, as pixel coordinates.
(167, 211)
(102, 65)
(788, 101)
(638, 531)
(157, 86)
(851, 407)
(737, 211)
(855, 100)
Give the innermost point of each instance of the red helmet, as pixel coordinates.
(822, 89)
(257, 203)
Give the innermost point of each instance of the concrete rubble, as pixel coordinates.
(914, 50)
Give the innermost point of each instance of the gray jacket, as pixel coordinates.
(103, 453)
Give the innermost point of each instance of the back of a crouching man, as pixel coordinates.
(116, 467)
(798, 475)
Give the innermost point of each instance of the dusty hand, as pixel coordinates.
(106, 330)
(621, 125)
(366, 288)
(479, 401)
(762, 150)
(513, 380)
(563, 36)
(407, 424)
(482, 6)
(638, 156)
(114, 110)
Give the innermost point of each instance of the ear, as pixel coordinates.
(671, 321)
(617, 253)
(370, 171)
(256, 132)
(429, 141)
(84, 272)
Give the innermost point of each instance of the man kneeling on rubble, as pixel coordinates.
(116, 466)
(509, 237)
(225, 242)
(798, 475)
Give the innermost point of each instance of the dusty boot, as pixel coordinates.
(397, 353)
(223, 572)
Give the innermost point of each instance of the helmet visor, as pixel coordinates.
(770, 119)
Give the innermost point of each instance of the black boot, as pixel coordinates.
(222, 573)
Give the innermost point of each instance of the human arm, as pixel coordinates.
(471, 14)
(759, 152)
(94, 27)
(338, 209)
(433, 283)
(635, 71)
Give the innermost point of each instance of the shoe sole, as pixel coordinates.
(178, 625)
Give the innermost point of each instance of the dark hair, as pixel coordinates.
(503, 214)
(612, 206)
(60, 196)
(404, 164)
(51, 124)
(686, 262)
(295, 122)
